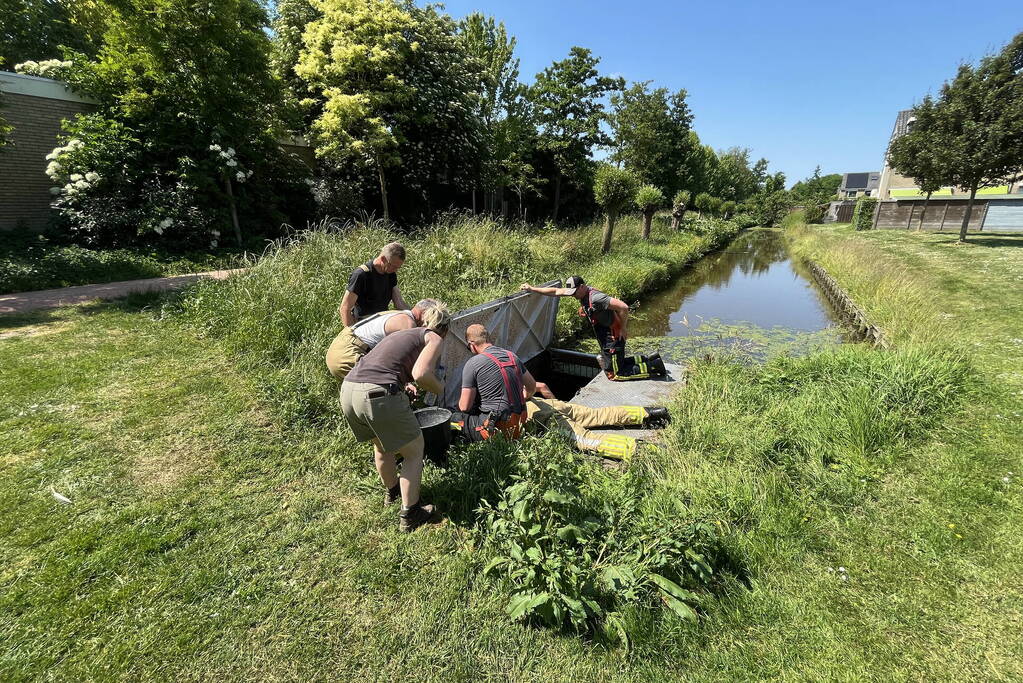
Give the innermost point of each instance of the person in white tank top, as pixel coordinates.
(355, 342)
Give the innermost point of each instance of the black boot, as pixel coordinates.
(655, 366)
(656, 416)
(411, 518)
(393, 495)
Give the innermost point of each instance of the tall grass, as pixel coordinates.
(280, 316)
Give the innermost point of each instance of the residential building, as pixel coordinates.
(995, 208)
(859, 185)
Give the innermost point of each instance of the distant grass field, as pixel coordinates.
(863, 518)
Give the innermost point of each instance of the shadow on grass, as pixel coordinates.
(476, 473)
(134, 302)
(1006, 239)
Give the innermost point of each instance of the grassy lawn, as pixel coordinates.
(216, 529)
(30, 262)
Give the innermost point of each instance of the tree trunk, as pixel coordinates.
(966, 218)
(474, 200)
(609, 227)
(234, 211)
(647, 218)
(920, 225)
(674, 221)
(383, 192)
(557, 197)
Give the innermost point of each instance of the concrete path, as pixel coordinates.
(24, 302)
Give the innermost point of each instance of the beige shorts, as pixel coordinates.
(344, 352)
(388, 418)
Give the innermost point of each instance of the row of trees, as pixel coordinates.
(409, 112)
(971, 135)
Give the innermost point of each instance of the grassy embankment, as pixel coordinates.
(30, 262)
(208, 536)
(208, 532)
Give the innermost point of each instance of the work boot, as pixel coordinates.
(655, 366)
(411, 518)
(656, 416)
(392, 495)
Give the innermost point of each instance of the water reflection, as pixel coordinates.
(753, 281)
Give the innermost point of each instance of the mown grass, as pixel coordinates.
(209, 538)
(31, 262)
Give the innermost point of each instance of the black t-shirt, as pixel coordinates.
(373, 289)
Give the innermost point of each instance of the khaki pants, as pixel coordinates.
(573, 421)
(344, 352)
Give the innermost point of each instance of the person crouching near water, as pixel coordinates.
(609, 317)
(497, 397)
(355, 341)
(375, 404)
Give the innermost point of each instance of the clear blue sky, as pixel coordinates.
(801, 83)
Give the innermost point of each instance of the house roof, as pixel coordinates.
(901, 125)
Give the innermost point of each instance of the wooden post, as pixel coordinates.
(941, 228)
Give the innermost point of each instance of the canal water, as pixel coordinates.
(750, 299)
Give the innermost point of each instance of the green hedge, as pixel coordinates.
(863, 215)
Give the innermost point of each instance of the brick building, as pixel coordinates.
(35, 108)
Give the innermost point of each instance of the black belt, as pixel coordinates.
(385, 390)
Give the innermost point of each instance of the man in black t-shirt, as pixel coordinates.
(373, 286)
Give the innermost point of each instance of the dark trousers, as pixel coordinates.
(616, 365)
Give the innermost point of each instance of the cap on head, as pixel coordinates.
(573, 283)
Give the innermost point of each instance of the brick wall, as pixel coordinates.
(24, 187)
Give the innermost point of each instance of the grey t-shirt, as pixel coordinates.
(483, 375)
(599, 308)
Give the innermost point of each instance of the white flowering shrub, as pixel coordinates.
(49, 68)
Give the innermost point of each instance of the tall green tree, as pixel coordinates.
(291, 17)
(397, 93)
(817, 188)
(504, 110)
(41, 29)
(978, 124)
(567, 98)
(614, 189)
(917, 153)
(651, 132)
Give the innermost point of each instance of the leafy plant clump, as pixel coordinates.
(578, 547)
(863, 215)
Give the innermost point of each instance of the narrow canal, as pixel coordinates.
(750, 300)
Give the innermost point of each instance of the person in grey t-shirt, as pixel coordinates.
(609, 317)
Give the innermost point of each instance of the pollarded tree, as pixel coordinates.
(715, 206)
(678, 207)
(917, 153)
(568, 108)
(978, 124)
(703, 202)
(614, 189)
(396, 90)
(648, 200)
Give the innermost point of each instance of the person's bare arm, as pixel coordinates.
(398, 322)
(424, 371)
(621, 311)
(348, 302)
(528, 385)
(544, 390)
(466, 399)
(547, 291)
(399, 302)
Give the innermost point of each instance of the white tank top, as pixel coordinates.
(371, 330)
